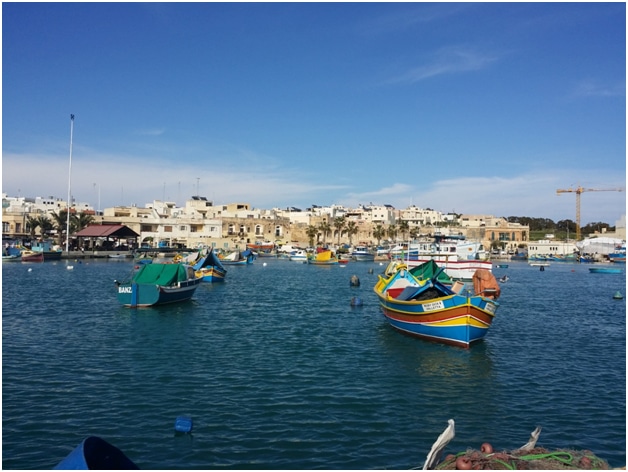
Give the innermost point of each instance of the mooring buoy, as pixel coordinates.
(618, 296)
(354, 281)
(183, 424)
(356, 301)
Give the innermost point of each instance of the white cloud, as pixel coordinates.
(448, 60)
(126, 180)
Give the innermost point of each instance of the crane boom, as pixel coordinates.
(579, 191)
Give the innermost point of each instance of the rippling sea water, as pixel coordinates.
(278, 371)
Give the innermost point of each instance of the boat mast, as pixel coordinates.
(67, 225)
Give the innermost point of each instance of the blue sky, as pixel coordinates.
(467, 107)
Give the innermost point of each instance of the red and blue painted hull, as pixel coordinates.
(432, 311)
(212, 274)
(455, 320)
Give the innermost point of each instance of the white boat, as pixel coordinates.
(299, 256)
(362, 254)
(460, 258)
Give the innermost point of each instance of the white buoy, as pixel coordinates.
(30, 269)
(264, 264)
(70, 267)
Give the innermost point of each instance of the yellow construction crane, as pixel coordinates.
(578, 191)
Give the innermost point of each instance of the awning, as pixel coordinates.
(107, 231)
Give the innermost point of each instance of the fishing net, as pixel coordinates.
(534, 459)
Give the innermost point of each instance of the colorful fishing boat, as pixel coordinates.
(158, 284)
(210, 268)
(261, 246)
(32, 256)
(239, 258)
(619, 254)
(322, 257)
(47, 249)
(431, 310)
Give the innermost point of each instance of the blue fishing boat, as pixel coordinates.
(239, 258)
(210, 268)
(47, 249)
(158, 284)
(431, 310)
(605, 270)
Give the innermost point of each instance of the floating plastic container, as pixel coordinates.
(183, 424)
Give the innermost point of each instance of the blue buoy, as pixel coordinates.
(618, 296)
(183, 424)
(356, 301)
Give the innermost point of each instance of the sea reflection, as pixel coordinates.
(431, 360)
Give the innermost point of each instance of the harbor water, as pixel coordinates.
(278, 370)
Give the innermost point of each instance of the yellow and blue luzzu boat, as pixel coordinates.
(431, 310)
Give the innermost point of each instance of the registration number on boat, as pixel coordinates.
(125, 290)
(433, 306)
(490, 308)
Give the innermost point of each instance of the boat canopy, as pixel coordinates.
(428, 270)
(160, 274)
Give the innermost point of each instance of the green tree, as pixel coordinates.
(352, 230)
(32, 223)
(378, 233)
(312, 232)
(339, 225)
(404, 227)
(82, 220)
(44, 224)
(392, 232)
(59, 223)
(325, 229)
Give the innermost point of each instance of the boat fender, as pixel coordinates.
(354, 281)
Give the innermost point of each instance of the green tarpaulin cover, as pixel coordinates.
(427, 270)
(160, 274)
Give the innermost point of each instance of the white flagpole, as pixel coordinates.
(67, 226)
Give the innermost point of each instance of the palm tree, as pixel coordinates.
(352, 229)
(339, 225)
(31, 224)
(44, 224)
(82, 220)
(60, 223)
(403, 228)
(392, 232)
(325, 229)
(312, 232)
(378, 233)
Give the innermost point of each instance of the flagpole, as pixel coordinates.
(67, 226)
